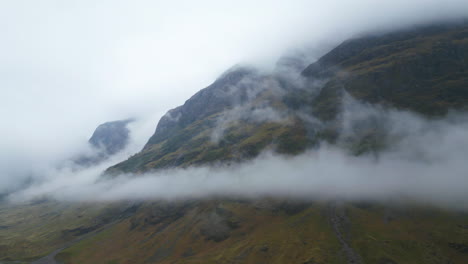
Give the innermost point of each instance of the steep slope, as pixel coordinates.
(423, 70)
(244, 112)
(233, 119)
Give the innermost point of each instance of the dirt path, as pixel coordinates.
(340, 223)
(50, 259)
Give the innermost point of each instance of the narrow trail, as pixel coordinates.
(50, 259)
(339, 222)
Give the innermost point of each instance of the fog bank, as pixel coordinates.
(426, 164)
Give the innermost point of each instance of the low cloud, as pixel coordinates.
(426, 164)
(252, 98)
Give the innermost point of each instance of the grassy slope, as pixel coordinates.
(422, 70)
(242, 139)
(273, 233)
(251, 235)
(416, 235)
(28, 231)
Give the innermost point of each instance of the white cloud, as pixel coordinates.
(411, 170)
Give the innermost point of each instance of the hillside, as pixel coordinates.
(235, 118)
(269, 231)
(422, 70)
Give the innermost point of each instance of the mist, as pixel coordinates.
(426, 165)
(68, 67)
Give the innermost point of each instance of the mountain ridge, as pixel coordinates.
(421, 70)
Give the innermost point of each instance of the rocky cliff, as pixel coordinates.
(245, 112)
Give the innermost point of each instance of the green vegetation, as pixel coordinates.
(408, 235)
(29, 231)
(247, 233)
(274, 231)
(194, 145)
(422, 70)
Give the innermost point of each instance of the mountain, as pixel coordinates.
(111, 137)
(233, 119)
(245, 112)
(108, 139)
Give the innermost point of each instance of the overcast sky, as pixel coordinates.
(66, 66)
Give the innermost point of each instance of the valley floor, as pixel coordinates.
(232, 231)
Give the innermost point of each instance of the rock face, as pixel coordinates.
(226, 91)
(108, 139)
(111, 137)
(236, 117)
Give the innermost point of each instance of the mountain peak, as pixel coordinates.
(111, 137)
(229, 89)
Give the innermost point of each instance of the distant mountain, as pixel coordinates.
(108, 139)
(111, 137)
